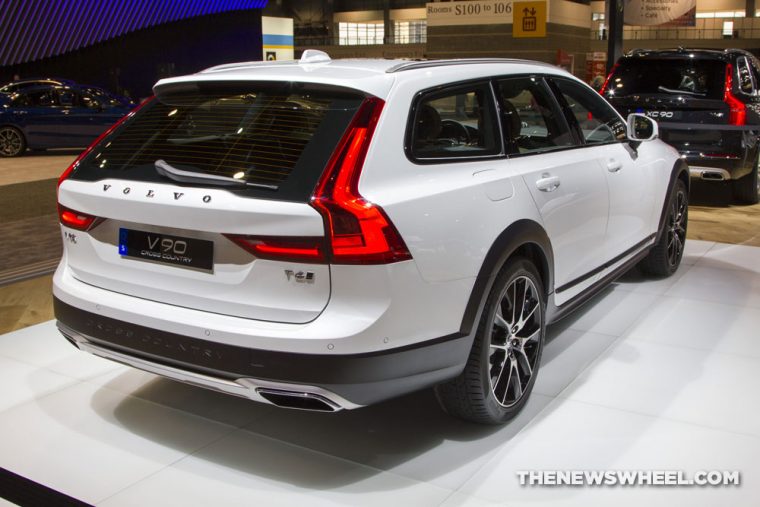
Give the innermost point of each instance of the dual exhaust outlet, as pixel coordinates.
(713, 176)
(298, 400)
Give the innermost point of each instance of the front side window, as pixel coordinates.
(530, 119)
(598, 121)
(454, 124)
(36, 98)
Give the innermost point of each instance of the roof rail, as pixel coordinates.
(244, 65)
(680, 49)
(424, 64)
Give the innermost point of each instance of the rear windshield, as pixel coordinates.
(268, 140)
(668, 76)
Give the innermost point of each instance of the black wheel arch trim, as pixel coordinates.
(680, 171)
(519, 234)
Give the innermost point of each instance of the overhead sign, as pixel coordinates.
(660, 12)
(529, 19)
(491, 12)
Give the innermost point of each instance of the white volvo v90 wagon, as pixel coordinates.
(327, 234)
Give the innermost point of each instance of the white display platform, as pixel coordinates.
(660, 375)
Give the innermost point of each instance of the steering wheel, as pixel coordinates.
(599, 128)
(455, 131)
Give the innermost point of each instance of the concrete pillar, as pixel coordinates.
(328, 10)
(614, 10)
(387, 25)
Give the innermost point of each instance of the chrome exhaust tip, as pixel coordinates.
(298, 400)
(713, 176)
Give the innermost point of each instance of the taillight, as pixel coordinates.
(76, 220)
(86, 152)
(282, 248)
(607, 81)
(737, 111)
(359, 232)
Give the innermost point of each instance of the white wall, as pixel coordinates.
(358, 17)
(720, 5)
(408, 14)
(569, 13)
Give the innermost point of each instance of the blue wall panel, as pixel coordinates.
(31, 30)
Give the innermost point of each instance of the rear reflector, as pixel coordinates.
(76, 220)
(282, 248)
(359, 232)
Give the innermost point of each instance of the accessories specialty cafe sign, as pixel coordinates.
(660, 12)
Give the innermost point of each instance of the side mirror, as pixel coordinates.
(641, 128)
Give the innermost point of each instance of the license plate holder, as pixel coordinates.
(182, 252)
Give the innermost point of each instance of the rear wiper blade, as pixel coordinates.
(687, 92)
(200, 139)
(167, 171)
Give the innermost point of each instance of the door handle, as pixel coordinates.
(547, 183)
(613, 165)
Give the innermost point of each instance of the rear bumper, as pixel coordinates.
(342, 381)
(731, 155)
(717, 168)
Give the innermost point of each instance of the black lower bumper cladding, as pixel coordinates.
(399, 369)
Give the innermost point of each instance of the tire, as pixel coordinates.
(506, 344)
(665, 257)
(746, 188)
(12, 142)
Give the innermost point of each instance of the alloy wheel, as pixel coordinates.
(677, 228)
(515, 341)
(11, 142)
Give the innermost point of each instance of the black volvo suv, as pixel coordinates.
(707, 104)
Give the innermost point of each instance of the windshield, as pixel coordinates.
(671, 76)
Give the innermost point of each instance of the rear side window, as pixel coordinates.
(276, 138)
(670, 76)
(456, 123)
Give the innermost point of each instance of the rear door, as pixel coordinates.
(202, 199)
(563, 177)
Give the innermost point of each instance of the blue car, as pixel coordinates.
(55, 116)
